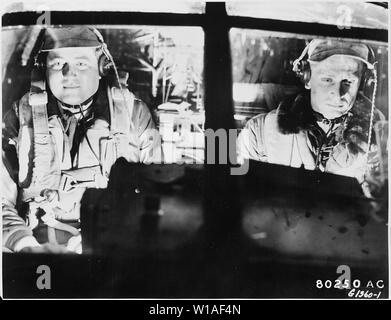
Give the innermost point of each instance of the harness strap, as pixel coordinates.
(38, 100)
(121, 110)
(51, 222)
(45, 173)
(121, 102)
(39, 112)
(52, 235)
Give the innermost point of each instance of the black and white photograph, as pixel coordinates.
(179, 152)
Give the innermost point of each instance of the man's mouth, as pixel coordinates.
(336, 106)
(71, 86)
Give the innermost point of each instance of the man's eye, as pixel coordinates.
(327, 80)
(349, 82)
(57, 65)
(82, 65)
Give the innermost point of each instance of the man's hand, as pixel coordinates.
(46, 248)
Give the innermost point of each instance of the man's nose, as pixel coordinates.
(68, 70)
(343, 88)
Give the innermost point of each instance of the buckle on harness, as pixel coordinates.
(68, 183)
(38, 98)
(90, 177)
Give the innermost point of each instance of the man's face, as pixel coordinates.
(72, 74)
(334, 85)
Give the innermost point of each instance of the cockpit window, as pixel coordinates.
(316, 91)
(344, 14)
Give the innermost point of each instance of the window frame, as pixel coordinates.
(221, 188)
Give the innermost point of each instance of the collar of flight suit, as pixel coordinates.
(99, 108)
(295, 115)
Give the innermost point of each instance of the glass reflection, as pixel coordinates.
(309, 103)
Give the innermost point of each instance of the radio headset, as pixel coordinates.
(105, 61)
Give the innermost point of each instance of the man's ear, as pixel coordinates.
(308, 74)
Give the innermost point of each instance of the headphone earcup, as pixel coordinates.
(366, 80)
(40, 62)
(104, 65)
(303, 71)
(306, 71)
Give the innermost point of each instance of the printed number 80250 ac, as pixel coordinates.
(338, 284)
